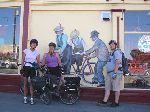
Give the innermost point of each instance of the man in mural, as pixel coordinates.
(64, 48)
(100, 51)
(78, 45)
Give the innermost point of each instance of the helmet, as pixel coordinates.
(94, 33)
(112, 41)
(34, 41)
(52, 44)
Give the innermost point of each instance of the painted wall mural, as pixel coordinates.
(76, 59)
(71, 53)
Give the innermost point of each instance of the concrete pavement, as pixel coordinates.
(11, 102)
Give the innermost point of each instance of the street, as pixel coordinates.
(12, 102)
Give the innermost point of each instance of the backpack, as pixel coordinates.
(125, 66)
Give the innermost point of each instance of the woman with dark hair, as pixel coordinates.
(52, 60)
(30, 58)
(53, 63)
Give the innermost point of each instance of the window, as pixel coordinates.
(137, 48)
(9, 39)
(137, 21)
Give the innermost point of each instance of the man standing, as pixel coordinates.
(100, 51)
(64, 48)
(114, 75)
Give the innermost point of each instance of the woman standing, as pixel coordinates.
(52, 60)
(30, 57)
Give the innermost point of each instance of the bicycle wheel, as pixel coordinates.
(68, 98)
(47, 96)
(88, 72)
(21, 88)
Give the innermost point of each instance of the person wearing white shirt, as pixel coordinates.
(30, 58)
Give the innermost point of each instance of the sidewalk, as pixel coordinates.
(10, 102)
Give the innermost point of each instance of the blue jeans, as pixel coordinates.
(98, 75)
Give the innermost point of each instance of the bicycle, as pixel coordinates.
(40, 87)
(47, 86)
(86, 71)
(67, 91)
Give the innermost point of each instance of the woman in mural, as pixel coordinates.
(30, 57)
(78, 45)
(64, 48)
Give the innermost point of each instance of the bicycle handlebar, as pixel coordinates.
(84, 56)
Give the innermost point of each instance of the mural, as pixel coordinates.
(76, 59)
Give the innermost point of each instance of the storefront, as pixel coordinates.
(126, 21)
(137, 42)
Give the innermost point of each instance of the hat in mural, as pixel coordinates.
(58, 28)
(94, 33)
(74, 33)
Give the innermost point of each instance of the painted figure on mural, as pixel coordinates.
(99, 50)
(78, 45)
(64, 48)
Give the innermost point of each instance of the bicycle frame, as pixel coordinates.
(85, 62)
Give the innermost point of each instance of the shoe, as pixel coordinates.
(32, 101)
(114, 104)
(25, 100)
(101, 103)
